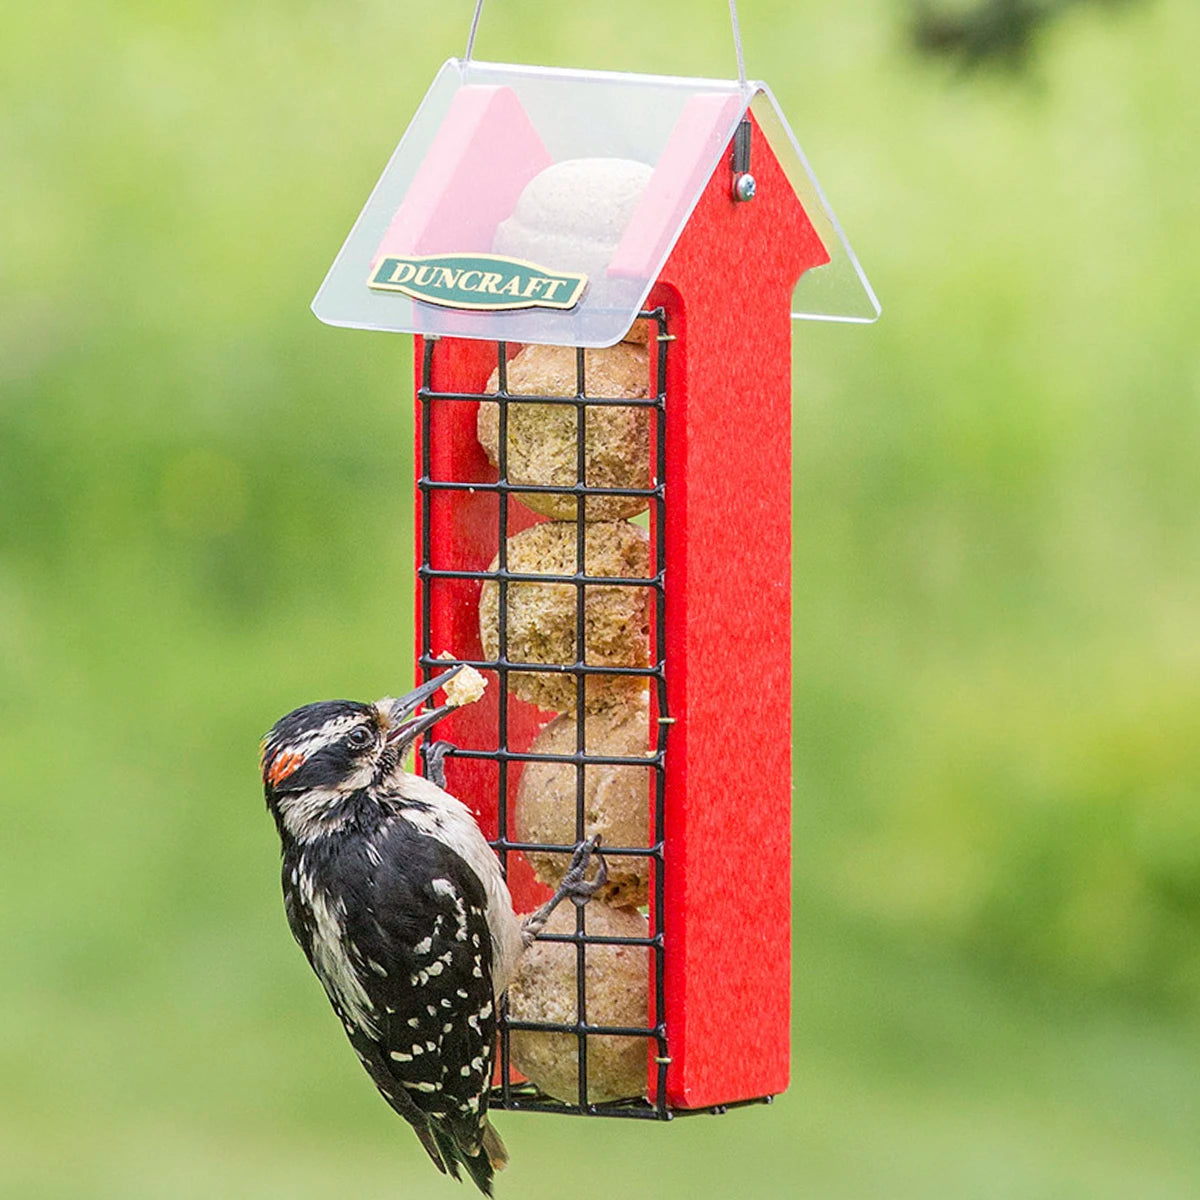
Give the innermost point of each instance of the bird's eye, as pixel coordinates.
(359, 737)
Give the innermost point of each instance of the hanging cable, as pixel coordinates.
(737, 42)
(475, 28)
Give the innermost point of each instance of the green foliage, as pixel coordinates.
(206, 519)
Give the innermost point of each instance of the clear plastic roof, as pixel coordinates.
(563, 191)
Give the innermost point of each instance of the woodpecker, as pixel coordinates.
(401, 909)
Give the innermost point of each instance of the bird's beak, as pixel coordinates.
(403, 727)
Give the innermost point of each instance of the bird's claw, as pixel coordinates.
(435, 762)
(575, 885)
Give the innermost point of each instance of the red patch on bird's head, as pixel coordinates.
(282, 766)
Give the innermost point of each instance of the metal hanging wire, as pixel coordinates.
(733, 17)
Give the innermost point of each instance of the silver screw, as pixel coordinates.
(745, 187)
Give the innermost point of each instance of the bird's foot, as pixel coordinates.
(574, 886)
(435, 762)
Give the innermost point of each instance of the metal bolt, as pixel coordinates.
(745, 186)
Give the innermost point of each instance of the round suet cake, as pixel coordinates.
(575, 212)
(638, 332)
(543, 439)
(616, 981)
(616, 799)
(541, 621)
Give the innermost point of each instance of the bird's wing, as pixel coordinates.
(423, 954)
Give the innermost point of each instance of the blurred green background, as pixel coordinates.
(206, 520)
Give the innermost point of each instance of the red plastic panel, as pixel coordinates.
(485, 152)
(727, 288)
(464, 535)
(696, 137)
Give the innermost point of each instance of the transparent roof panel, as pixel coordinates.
(839, 290)
(530, 204)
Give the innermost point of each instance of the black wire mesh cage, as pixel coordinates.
(574, 1038)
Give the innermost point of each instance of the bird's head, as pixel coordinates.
(317, 756)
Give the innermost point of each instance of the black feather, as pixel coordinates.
(414, 931)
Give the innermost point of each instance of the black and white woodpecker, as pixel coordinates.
(400, 907)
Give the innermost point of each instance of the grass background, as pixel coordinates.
(205, 520)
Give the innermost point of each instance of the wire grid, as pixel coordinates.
(527, 1097)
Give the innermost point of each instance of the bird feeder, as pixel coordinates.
(529, 207)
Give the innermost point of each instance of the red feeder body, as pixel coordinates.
(721, 528)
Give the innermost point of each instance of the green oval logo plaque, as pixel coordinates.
(476, 281)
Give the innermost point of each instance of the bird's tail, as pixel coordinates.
(494, 1147)
(431, 1146)
(482, 1159)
